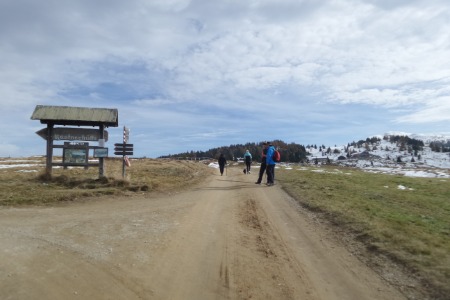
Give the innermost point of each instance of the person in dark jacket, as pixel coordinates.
(270, 165)
(263, 163)
(222, 163)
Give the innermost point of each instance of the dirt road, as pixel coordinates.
(226, 239)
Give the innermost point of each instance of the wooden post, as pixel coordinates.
(125, 140)
(123, 167)
(101, 161)
(49, 157)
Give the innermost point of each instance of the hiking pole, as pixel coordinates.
(226, 170)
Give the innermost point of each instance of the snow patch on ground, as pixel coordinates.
(213, 165)
(401, 187)
(20, 166)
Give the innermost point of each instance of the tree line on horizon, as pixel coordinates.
(289, 152)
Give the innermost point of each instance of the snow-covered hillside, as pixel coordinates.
(384, 156)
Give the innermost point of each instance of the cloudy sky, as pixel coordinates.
(194, 75)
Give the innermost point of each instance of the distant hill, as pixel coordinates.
(389, 150)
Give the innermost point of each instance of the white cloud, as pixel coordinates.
(161, 60)
(436, 110)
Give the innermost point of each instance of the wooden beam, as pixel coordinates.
(101, 167)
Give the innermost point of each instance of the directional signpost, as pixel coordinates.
(73, 134)
(124, 149)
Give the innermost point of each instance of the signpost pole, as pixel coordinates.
(124, 149)
(123, 166)
(125, 140)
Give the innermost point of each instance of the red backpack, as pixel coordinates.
(276, 156)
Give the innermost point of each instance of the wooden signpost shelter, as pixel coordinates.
(75, 153)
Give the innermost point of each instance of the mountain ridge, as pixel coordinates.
(385, 156)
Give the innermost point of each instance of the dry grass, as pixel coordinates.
(21, 184)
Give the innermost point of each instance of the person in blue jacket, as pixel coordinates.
(248, 161)
(270, 165)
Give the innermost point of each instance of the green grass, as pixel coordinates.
(411, 226)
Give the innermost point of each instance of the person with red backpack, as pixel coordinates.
(270, 165)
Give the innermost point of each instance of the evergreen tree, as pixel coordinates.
(289, 152)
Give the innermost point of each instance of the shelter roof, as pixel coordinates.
(79, 116)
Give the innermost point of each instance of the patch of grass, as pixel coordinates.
(410, 225)
(31, 185)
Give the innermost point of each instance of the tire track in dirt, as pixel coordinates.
(261, 239)
(304, 262)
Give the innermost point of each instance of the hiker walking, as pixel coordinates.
(270, 165)
(248, 161)
(263, 163)
(222, 163)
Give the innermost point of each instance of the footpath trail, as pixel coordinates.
(225, 239)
